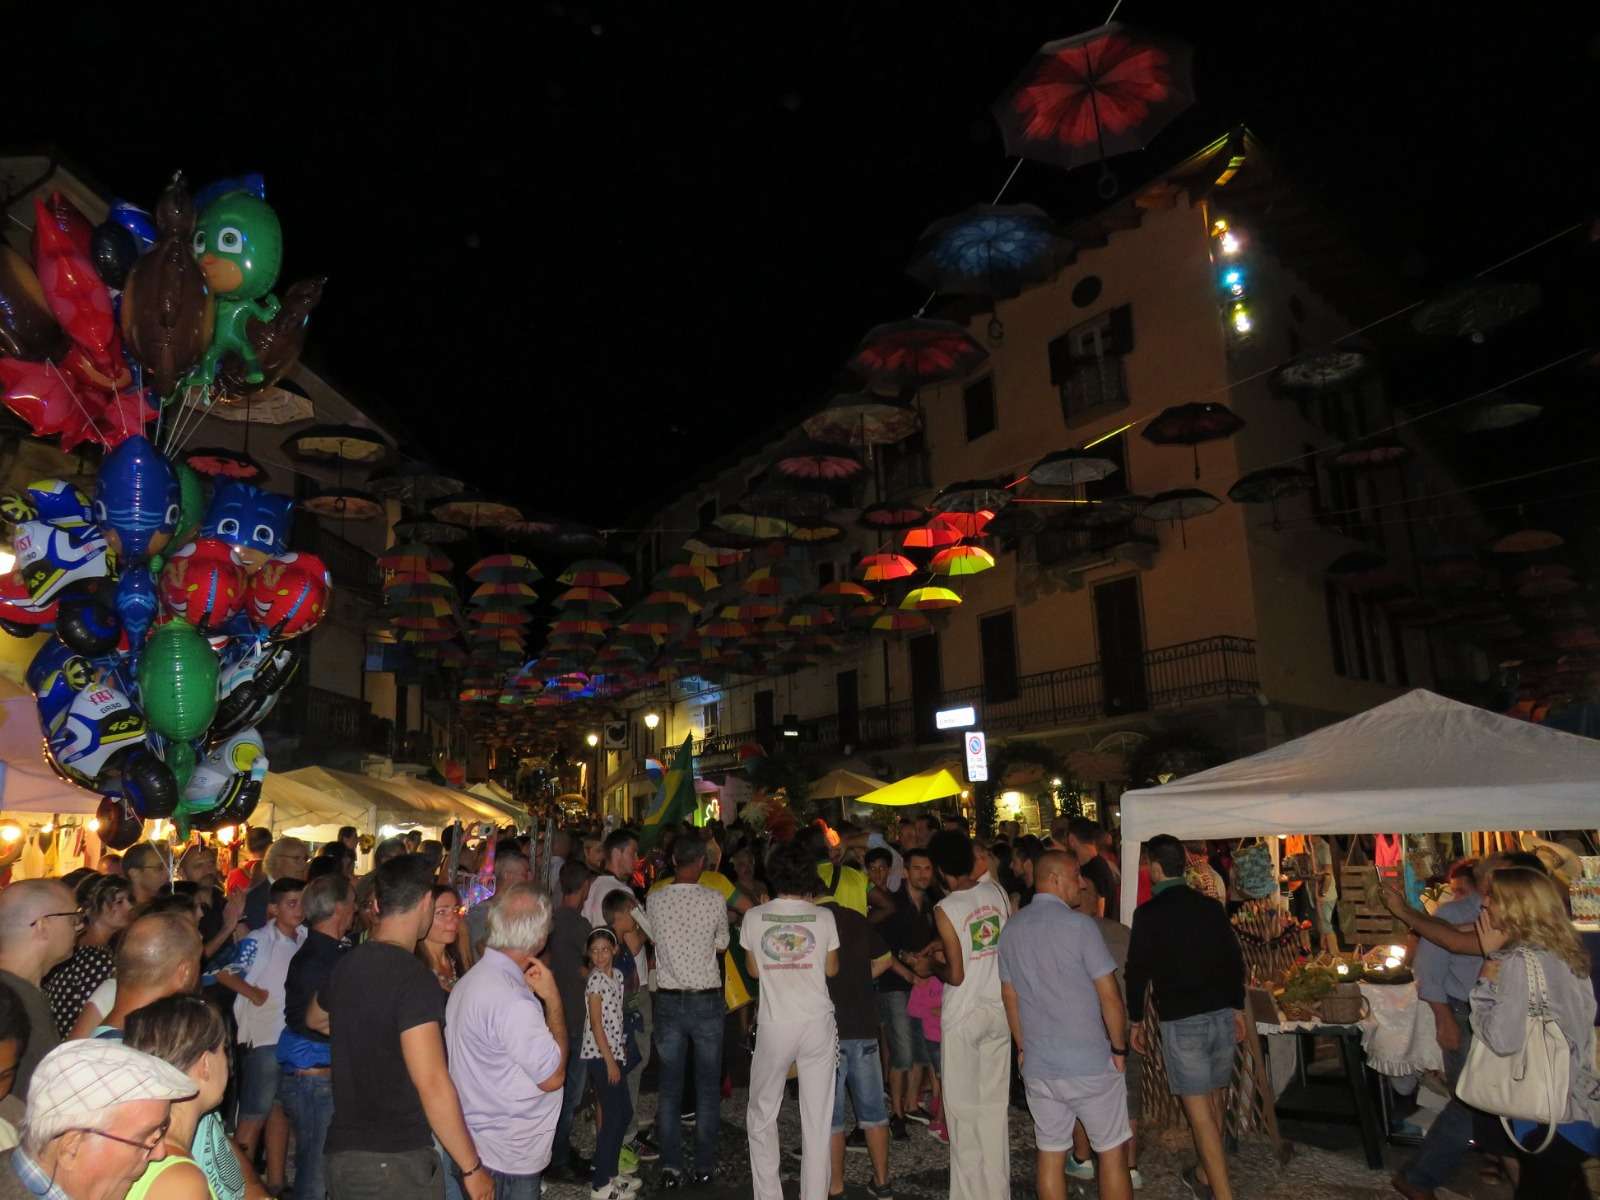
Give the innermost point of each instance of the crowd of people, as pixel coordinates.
(442, 1024)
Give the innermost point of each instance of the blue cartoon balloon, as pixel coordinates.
(54, 501)
(136, 500)
(137, 605)
(52, 561)
(136, 221)
(254, 524)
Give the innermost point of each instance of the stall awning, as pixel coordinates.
(1418, 764)
(290, 804)
(393, 800)
(27, 784)
(451, 801)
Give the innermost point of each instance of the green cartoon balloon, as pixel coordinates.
(239, 243)
(178, 684)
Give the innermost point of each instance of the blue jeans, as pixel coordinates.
(506, 1187)
(308, 1102)
(1445, 1144)
(862, 1074)
(571, 1096)
(680, 1020)
(615, 1111)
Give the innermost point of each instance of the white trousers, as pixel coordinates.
(814, 1050)
(977, 1085)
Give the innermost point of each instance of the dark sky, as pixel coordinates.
(577, 248)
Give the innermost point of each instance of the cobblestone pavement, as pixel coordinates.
(919, 1167)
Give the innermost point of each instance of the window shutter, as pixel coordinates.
(1120, 337)
(1060, 360)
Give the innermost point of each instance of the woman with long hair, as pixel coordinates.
(1525, 918)
(440, 949)
(198, 1160)
(106, 902)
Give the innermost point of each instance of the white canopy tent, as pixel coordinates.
(1418, 764)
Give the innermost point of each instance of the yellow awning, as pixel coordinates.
(922, 788)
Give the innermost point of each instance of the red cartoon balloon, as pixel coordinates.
(68, 219)
(72, 288)
(289, 595)
(38, 393)
(202, 584)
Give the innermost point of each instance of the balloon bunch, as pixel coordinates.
(173, 626)
(111, 322)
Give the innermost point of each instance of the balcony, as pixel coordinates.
(352, 567)
(1168, 677)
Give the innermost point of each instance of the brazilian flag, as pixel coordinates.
(674, 800)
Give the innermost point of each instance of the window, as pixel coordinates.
(708, 512)
(1117, 483)
(708, 720)
(1366, 644)
(826, 574)
(978, 398)
(997, 642)
(905, 464)
(1086, 365)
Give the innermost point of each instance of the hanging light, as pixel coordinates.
(1239, 318)
(651, 720)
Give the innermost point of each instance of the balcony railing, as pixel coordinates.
(1167, 677)
(350, 565)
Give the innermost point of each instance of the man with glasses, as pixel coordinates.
(39, 923)
(287, 858)
(148, 871)
(97, 1113)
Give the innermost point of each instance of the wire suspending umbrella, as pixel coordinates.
(1181, 504)
(990, 250)
(916, 353)
(1086, 98)
(1191, 424)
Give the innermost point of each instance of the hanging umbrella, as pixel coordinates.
(818, 461)
(426, 635)
(344, 504)
(651, 620)
(959, 561)
(916, 353)
(557, 535)
(595, 573)
(406, 584)
(935, 534)
(1269, 485)
(773, 494)
(925, 787)
(1191, 424)
(439, 533)
(891, 516)
(595, 599)
(989, 250)
(841, 593)
(898, 621)
(1527, 541)
(413, 483)
(1020, 518)
(1068, 468)
(1374, 452)
(416, 606)
(286, 403)
(1105, 92)
(753, 610)
(725, 627)
(1494, 415)
(424, 621)
(337, 444)
(970, 496)
(881, 568)
(863, 419)
(475, 511)
(485, 619)
(817, 533)
(682, 575)
(751, 525)
(1181, 504)
(776, 580)
(586, 626)
(969, 524)
(1362, 570)
(930, 599)
(1323, 369)
(504, 568)
(413, 557)
(717, 548)
(219, 462)
(1476, 310)
(669, 598)
(504, 595)
(810, 616)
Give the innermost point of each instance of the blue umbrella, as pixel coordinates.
(990, 250)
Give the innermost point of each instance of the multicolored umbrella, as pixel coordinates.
(595, 573)
(499, 618)
(809, 616)
(674, 599)
(413, 483)
(959, 561)
(413, 557)
(752, 610)
(752, 525)
(418, 606)
(584, 626)
(780, 579)
(219, 462)
(970, 496)
(916, 353)
(841, 593)
(504, 595)
(990, 250)
(437, 533)
(936, 533)
(899, 621)
(1068, 468)
(475, 511)
(592, 599)
(819, 461)
(1191, 424)
(863, 419)
(424, 621)
(725, 627)
(930, 599)
(410, 584)
(883, 568)
(817, 533)
(683, 574)
(504, 568)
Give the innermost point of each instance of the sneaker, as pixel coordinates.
(610, 1192)
(1138, 1179)
(897, 1129)
(855, 1141)
(701, 1178)
(1079, 1170)
(881, 1191)
(627, 1162)
(686, 1118)
(670, 1180)
(939, 1134)
(628, 1185)
(1191, 1180)
(644, 1149)
(920, 1115)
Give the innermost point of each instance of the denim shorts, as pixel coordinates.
(923, 1052)
(258, 1081)
(1199, 1052)
(896, 1029)
(860, 1071)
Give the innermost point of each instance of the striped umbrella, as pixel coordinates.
(899, 621)
(594, 573)
(810, 616)
(669, 598)
(411, 584)
(481, 618)
(962, 560)
(413, 557)
(504, 595)
(504, 568)
(879, 568)
(593, 599)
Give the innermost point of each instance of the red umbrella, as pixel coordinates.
(935, 534)
(916, 353)
(819, 461)
(218, 462)
(880, 568)
(1104, 92)
(1191, 424)
(892, 516)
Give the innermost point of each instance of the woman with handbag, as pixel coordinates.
(1533, 1014)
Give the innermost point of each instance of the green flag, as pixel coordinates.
(674, 798)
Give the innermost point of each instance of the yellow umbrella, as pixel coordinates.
(922, 788)
(841, 782)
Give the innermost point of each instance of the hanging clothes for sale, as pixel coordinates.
(1388, 851)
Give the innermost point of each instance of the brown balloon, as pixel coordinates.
(27, 327)
(168, 314)
(277, 342)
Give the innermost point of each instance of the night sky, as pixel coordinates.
(578, 250)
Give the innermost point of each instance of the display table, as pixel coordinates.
(1364, 1112)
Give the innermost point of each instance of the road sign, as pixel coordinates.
(955, 718)
(977, 756)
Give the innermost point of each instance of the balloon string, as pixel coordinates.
(71, 391)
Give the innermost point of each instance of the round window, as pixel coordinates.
(1086, 291)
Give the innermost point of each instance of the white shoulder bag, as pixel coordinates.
(1530, 1084)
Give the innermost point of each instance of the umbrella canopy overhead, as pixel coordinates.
(337, 444)
(962, 560)
(841, 782)
(916, 353)
(1475, 311)
(1067, 468)
(819, 461)
(1191, 424)
(475, 511)
(863, 419)
(344, 504)
(989, 250)
(413, 483)
(1324, 369)
(925, 787)
(219, 462)
(891, 516)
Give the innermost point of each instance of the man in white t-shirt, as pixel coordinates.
(620, 855)
(977, 1040)
(792, 945)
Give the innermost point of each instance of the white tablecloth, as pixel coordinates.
(1398, 1035)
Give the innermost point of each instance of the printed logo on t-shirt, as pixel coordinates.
(788, 945)
(983, 931)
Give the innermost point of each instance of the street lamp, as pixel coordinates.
(651, 720)
(594, 744)
(593, 739)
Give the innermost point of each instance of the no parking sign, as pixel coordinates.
(977, 756)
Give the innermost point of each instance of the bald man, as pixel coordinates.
(159, 956)
(1058, 983)
(39, 924)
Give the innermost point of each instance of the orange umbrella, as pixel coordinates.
(878, 568)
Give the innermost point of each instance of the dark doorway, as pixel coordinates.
(997, 642)
(765, 720)
(849, 708)
(926, 684)
(1121, 633)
